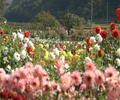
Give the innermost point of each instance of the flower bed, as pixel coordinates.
(60, 70)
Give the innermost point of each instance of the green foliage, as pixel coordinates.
(2, 20)
(46, 19)
(72, 21)
(2, 6)
(25, 10)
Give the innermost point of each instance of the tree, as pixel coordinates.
(72, 21)
(2, 6)
(46, 19)
(25, 10)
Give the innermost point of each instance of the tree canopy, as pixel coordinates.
(72, 21)
(25, 10)
(46, 20)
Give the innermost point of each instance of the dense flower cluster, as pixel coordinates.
(32, 82)
(16, 48)
(60, 70)
(6, 95)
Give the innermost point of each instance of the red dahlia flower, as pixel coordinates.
(33, 54)
(2, 32)
(88, 40)
(112, 26)
(6, 95)
(100, 53)
(27, 34)
(20, 44)
(104, 34)
(115, 33)
(4, 35)
(118, 14)
(98, 29)
(29, 49)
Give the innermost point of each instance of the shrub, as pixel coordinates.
(72, 21)
(46, 19)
